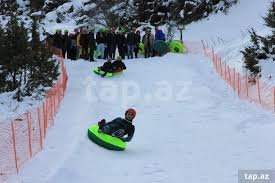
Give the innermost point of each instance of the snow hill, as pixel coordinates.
(228, 34)
(200, 132)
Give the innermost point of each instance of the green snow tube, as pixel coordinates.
(105, 140)
(141, 48)
(177, 47)
(161, 47)
(109, 74)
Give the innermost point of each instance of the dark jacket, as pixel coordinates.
(100, 38)
(67, 42)
(107, 67)
(131, 38)
(92, 43)
(58, 41)
(111, 39)
(120, 127)
(160, 36)
(118, 65)
(137, 39)
(84, 40)
(121, 41)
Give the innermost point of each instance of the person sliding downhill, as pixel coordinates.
(120, 127)
(107, 67)
(118, 65)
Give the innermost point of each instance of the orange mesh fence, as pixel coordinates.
(22, 138)
(253, 89)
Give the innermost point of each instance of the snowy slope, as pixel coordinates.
(228, 34)
(203, 133)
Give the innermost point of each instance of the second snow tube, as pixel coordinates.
(105, 140)
(177, 47)
(161, 47)
(109, 74)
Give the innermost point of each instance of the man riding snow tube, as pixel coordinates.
(114, 134)
(104, 140)
(118, 65)
(110, 69)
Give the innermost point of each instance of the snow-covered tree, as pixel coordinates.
(187, 11)
(262, 48)
(51, 5)
(269, 41)
(152, 11)
(36, 5)
(25, 66)
(8, 7)
(251, 54)
(270, 17)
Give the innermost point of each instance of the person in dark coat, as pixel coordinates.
(120, 127)
(131, 43)
(137, 42)
(92, 45)
(58, 39)
(121, 44)
(159, 35)
(107, 67)
(100, 40)
(148, 41)
(118, 65)
(111, 44)
(72, 49)
(74, 44)
(84, 42)
(67, 43)
(114, 46)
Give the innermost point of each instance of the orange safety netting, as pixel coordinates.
(22, 138)
(256, 90)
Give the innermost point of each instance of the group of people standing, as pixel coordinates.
(85, 44)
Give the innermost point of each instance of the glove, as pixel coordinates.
(101, 123)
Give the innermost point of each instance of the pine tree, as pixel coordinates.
(51, 5)
(160, 14)
(35, 42)
(187, 11)
(8, 7)
(251, 62)
(3, 74)
(252, 54)
(14, 55)
(36, 5)
(43, 70)
(269, 41)
(152, 11)
(270, 17)
(124, 13)
(262, 48)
